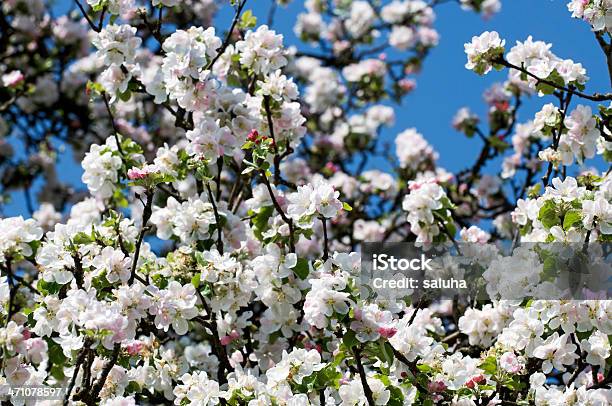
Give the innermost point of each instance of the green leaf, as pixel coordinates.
(489, 365)
(328, 377)
(545, 88)
(47, 287)
(125, 96)
(513, 384)
(56, 355)
(248, 20)
(571, 217)
(350, 339)
(386, 352)
(82, 238)
(57, 371)
(397, 397)
(549, 268)
(346, 206)
(302, 268)
(424, 368)
(548, 215)
(498, 144)
(260, 221)
(195, 281)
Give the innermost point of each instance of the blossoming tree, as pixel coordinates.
(212, 256)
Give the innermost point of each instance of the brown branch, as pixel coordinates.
(362, 375)
(228, 37)
(146, 215)
(280, 211)
(217, 220)
(571, 89)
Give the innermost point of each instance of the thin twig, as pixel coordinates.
(593, 97)
(228, 37)
(217, 220)
(146, 215)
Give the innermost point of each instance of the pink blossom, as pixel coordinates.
(387, 332)
(437, 386)
(12, 79)
(135, 348)
(136, 173)
(225, 340)
(407, 85)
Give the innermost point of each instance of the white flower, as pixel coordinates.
(117, 44)
(511, 363)
(597, 348)
(119, 400)
(412, 149)
(69, 343)
(324, 299)
(262, 50)
(47, 216)
(566, 190)
(556, 351)
(582, 134)
(15, 236)
(598, 210)
(420, 203)
(197, 389)
(300, 202)
(173, 306)
(188, 52)
(309, 26)
(100, 167)
(548, 116)
(189, 220)
(481, 326)
(402, 37)
(352, 394)
(278, 87)
(297, 365)
(153, 80)
(325, 199)
(115, 80)
(210, 141)
(411, 339)
(360, 18)
(117, 7)
(356, 72)
(114, 263)
(483, 50)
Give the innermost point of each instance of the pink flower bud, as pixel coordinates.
(135, 348)
(253, 135)
(407, 85)
(225, 340)
(331, 167)
(387, 332)
(12, 79)
(437, 386)
(136, 173)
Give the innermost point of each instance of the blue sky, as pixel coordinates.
(444, 85)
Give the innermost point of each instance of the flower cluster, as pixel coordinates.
(598, 13)
(215, 255)
(483, 52)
